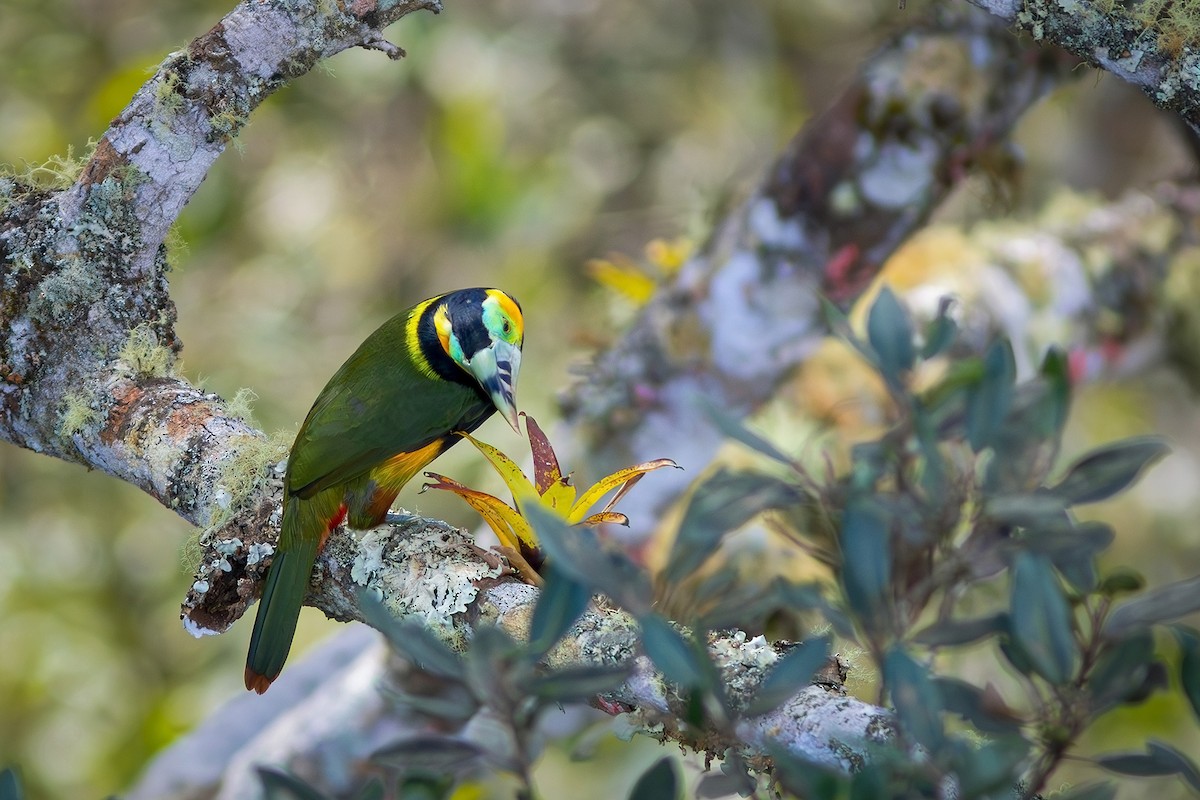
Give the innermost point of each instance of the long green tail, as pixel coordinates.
(278, 611)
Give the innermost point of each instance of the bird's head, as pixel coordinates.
(482, 331)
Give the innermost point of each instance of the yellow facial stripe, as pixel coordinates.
(510, 308)
(412, 340)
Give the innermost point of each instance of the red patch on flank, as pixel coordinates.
(334, 521)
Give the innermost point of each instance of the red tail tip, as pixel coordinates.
(257, 683)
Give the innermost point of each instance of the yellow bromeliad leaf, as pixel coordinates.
(623, 276)
(669, 255)
(602, 517)
(624, 478)
(510, 527)
(520, 486)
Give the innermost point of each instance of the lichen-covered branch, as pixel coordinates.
(424, 568)
(1150, 45)
(855, 183)
(87, 339)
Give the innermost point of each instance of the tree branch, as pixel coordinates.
(1152, 54)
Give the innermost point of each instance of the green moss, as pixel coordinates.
(77, 414)
(167, 96)
(143, 356)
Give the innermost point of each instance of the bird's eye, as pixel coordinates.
(507, 326)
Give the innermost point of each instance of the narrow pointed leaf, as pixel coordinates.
(866, 560)
(1108, 470)
(279, 784)
(988, 403)
(890, 333)
(10, 785)
(1189, 665)
(1159, 759)
(789, 675)
(584, 558)
(1156, 605)
(983, 708)
(610, 482)
(720, 504)
(606, 518)
(737, 430)
(940, 333)
(577, 684)
(520, 486)
(1041, 619)
(916, 699)
(1121, 670)
(412, 639)
(435, 755)
(561, 602)
(660, 782)
(954, 632)
(508, 525)
(671, 653)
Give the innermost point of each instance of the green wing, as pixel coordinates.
(379, 404)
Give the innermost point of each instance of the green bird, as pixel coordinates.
(443, 366)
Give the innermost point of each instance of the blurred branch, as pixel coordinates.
(1152, 53)
(855, 183)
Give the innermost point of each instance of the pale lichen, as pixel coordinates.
(142, 356)
(77, 414)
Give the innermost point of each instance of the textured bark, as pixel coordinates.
(1158, 60)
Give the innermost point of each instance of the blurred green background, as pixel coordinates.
(518, 140)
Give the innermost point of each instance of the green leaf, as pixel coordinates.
(10, 785)
(722, 503)
(1056, 373)
(412, 640)
(1121, 580)
(1121, 670)
(953, 632)
(1040, 618)
(1189, 664)
(1157, 605)
(941, 331)
(560, 604)
(983, 708)
(576, 684)
(890, 333)
(373, 790)
(278, 784)
(988, 403)
(580, 554)
(430, 755)
(916, 699)
(737, 430)
(426, 787)
(454, 703)
(804, 777)
(1108, 470)
(984, 770)
(657, 783)
(789, 675)
(866, 560)
(674, 656)
(1027, 510)
(1159, 759)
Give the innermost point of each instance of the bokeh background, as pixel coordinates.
(519, 140)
